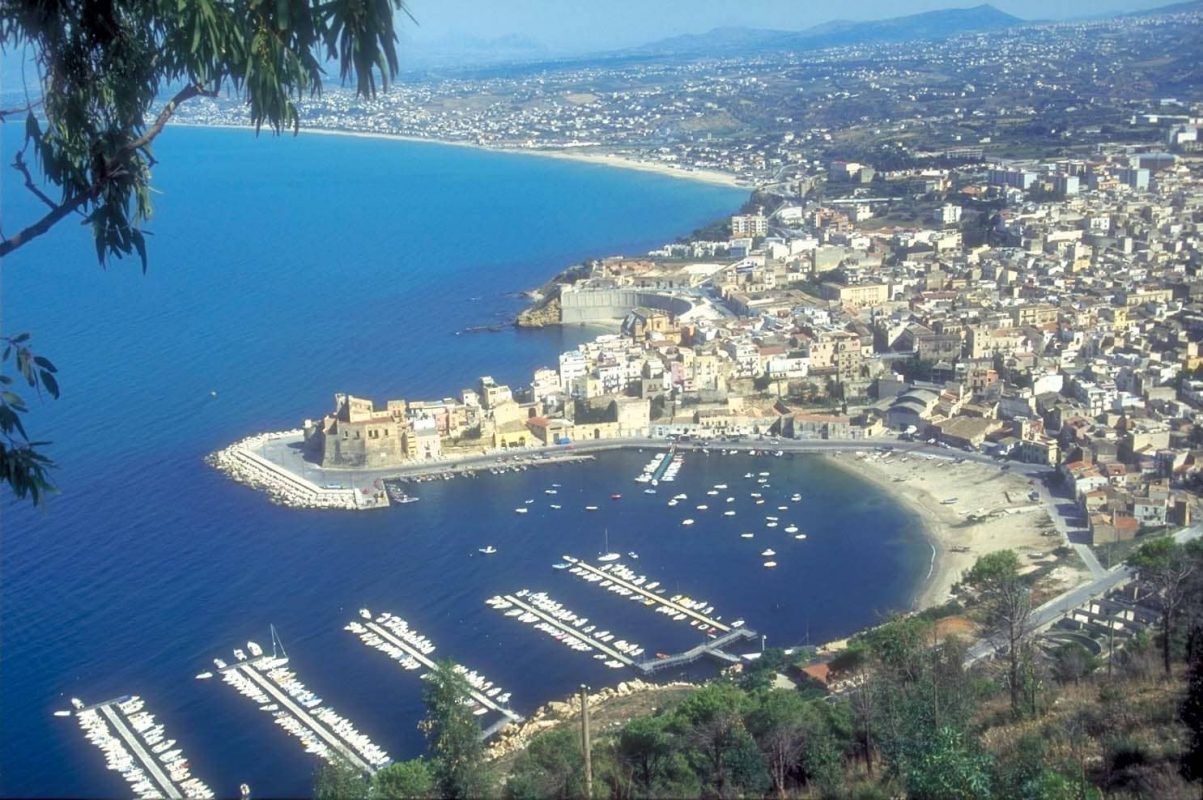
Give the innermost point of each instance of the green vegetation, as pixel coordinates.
(101, 69)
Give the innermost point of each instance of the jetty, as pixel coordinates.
(267, 680)
(391, 635)
(647, 596)
(563, 629)
(711, 649)
(137, 747)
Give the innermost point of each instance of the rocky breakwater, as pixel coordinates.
(636, 694)
(241, 462)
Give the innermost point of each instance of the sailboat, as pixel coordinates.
(606, 554)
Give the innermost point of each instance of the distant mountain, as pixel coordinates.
(1176, 8)
(461, 50)
(928, 25)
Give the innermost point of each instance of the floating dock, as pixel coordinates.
(711, 649)
(566, 628)
(391, 635)
(150, 763)
(267, 680)
(640, 593)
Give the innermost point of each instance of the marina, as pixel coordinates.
(267, 681)
(135, 746)
(394, 637)
(623, 580)
(546, 615)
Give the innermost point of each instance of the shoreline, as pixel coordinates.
(707, 176)
(992, 512)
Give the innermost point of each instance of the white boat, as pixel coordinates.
(769, 552)
(703, 507)
(770, 564)
(606, 555)
(363, 612)
(728, 513)
(556, 506)
(591, 508)
(238, 654)
(62, 713)
(672, 502)
(254, 649)
(800, 536)
(520, 510)
(746, 535)
(561, 565)
(687, 522)
(632, 554)
(791, 529)
(488, 551)
(204, 676)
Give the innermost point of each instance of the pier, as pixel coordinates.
(320, 729)
(477, 695)
(576, 633)
(713, 649)
(640, 591)
(151, 764)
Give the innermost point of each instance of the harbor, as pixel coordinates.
(679, 608)
(566, 627)
(267, 681)
(138, 748)
(394, 637)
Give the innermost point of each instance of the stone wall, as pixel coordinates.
(604, 305)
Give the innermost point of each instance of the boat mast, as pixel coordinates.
(276, 641)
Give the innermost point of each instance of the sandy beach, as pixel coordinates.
(713, 177)
(992, 512)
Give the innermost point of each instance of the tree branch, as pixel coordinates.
(113, 169)
(20, 166)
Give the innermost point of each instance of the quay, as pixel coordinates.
(712, 649)
(571, 631)
(480, 697)
(149, 764)
(251, 670)
(677, 608)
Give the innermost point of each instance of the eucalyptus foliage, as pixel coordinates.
(106, 76)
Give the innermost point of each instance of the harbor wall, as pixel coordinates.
(601, 305)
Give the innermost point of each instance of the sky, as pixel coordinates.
(574, 26)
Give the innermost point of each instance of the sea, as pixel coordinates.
(284, 270)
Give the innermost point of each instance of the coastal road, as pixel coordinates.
(1045, 615)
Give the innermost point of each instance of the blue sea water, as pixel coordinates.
(282, 271)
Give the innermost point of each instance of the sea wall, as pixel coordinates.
(601, 305)
(241, 463)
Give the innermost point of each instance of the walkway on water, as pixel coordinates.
(675, 607)
(576, 633)
(149, 764)
(712, 649)
(417, 655)
(336, 742)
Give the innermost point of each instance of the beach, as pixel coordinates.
(712, 177)
(991, 512)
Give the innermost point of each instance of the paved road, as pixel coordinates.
(1061, 605)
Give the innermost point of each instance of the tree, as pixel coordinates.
(1166, 567)
(949, 768)
(404, 780)
(453, 736)
(780, 724)
(104, 72)
(1190, 710)
(711, 720)
(1007, 602)
(551, 766)
(645, 746)
(340, 780)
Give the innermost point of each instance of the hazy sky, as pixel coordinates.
(583, 25)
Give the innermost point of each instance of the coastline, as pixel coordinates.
(991, 512)
(707, 176)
